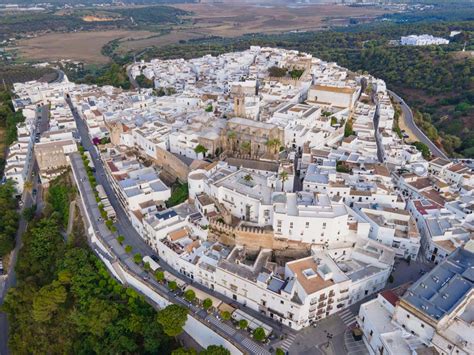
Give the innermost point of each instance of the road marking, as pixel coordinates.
(347, 317)
(254, 348)
(226, 328)
(286, 344)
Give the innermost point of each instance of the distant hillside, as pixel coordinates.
(13, 24)
(91, 2)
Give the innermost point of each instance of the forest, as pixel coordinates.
(8, 218)
(66, 301)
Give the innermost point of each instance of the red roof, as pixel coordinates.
(390, 296)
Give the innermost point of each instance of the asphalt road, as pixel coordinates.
(409, 121)
(139, 246)
(28, 199)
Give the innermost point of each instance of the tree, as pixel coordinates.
(184, 351)
(423, 148)
(243, 324)
(207, 303)
(248, 178)
(273, 145)
(159, 275)
(246, 147)
(137, 258)
(147, 266)
(128, 249)
(280, 352)
(296, 73)
(226, 315)
(200, 149)
(348, 131)
(215, 350)
(283, 178)
(341, 167)
(189, 295)
(232, 136)
(47, 301)
(29, 213)
(172, 319)
(172, 285)
(120, 239)
(259, 334)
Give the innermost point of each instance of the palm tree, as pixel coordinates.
(200, 149)
(276, 145)
(273, 145)
(283, 178)
(246, 147)
(248, 178)
(231, 135)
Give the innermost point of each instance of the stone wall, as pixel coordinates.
(171, 165)
(253, 238)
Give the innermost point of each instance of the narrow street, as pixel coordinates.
(9, 280)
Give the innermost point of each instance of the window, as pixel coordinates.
(282, 302)
(291, 224)
(422, 325)
(324, 225)
(307, 225)
(371, 332)
(408, 316)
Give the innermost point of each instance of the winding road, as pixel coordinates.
(410, 122)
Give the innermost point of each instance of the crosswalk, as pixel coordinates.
(226, 328)
(254, 348)
(286, 344)
(347, 317)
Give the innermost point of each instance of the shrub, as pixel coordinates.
(137, 258)
(259, 334)
(172, 285)
(189, 295)
(226, 315)
(207, 303)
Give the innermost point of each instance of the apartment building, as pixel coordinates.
(135, 184)
(433, 316)
(392, 227)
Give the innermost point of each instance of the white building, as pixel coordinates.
(422, 40)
